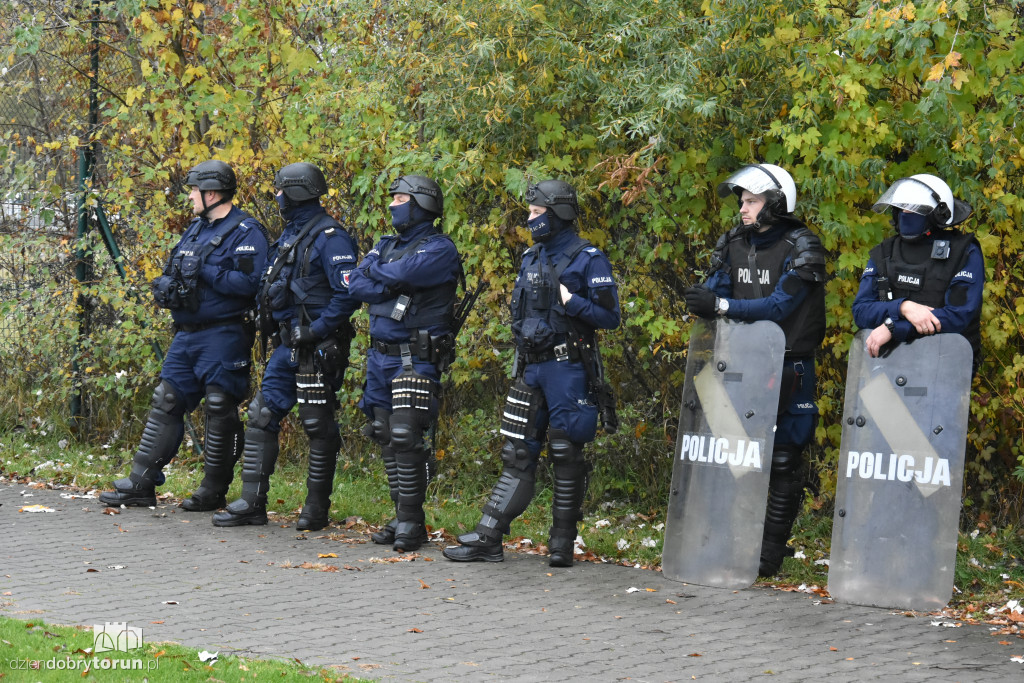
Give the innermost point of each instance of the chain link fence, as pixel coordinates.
(49, 103)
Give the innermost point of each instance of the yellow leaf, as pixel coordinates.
(942, 9)
(327, 554)
(959, 78)
(935, 73)
(952, 59)
(197, 9)
(909, 11)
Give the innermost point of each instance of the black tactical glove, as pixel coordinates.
(301, 334)
(700, 301)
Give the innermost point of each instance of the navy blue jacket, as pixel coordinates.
(434, 263)
(333, 255)
(229, 278)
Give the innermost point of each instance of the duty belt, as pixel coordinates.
(561, 352)
(182, 327)
(399, 348)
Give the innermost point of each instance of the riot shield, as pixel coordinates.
(901, 467)
(723, 453)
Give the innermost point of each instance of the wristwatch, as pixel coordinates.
(721, 306)
(889, 325)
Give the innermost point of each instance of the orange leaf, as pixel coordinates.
(423, 584)
(415, 630)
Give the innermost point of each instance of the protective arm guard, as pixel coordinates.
(808, 255)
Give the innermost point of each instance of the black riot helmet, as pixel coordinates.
(212, 175)
(557, 195)
(424, 191)
(301, 182)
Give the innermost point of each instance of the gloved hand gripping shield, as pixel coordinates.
(723, 453)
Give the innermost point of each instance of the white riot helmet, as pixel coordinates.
(768, 179)
(926, 195)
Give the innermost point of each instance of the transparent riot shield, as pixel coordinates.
(723, 453)
(901, 467)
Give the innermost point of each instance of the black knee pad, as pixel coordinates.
(379, 427)
(407, 428)
(516, 456)
(787, 461)
(219, 404)
(562, 451)
(317, 420)
(165, 398)
(261, 416)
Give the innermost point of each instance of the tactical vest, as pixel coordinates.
(288, 282)
(185, 263)
(536, 297)
(805, 327)
(910, 272)
(428, 306)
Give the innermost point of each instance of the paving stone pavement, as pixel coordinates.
(428, 619)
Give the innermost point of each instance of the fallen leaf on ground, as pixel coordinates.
(36, 508)
(327, 555)
(423, 584)
(415, 630)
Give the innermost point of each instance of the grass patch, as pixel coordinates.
(31, 650)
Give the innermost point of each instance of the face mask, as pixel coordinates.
(911, 225)
(401, 216)
(540, 227)
(282, 202)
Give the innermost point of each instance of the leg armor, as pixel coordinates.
(785, 496)
(165, 428)
(509, 498)
(386, 536)
(379, 428)
(570, 473)
(224, 442)
(324, 444)
(514, 490)
(413, 396)
(258, 460)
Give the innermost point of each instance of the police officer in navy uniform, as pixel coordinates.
(410, 281)
(564, 292)
(772, 267)
(209, 284)
(926, 279)
(305, 306)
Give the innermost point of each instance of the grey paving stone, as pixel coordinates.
(242, 590)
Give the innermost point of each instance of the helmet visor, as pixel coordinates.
(752, 178)
(908, 194)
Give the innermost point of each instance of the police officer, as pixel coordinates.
(410, 281)
(305, 306)
(209, 284)
(926, 279)
(772, 267)
(564, 292)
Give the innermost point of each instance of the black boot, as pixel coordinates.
(560, 549)
(785, 496)
(160, 441)
(386, 535)
(258, 461)
(224, 443)
(474, 547)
